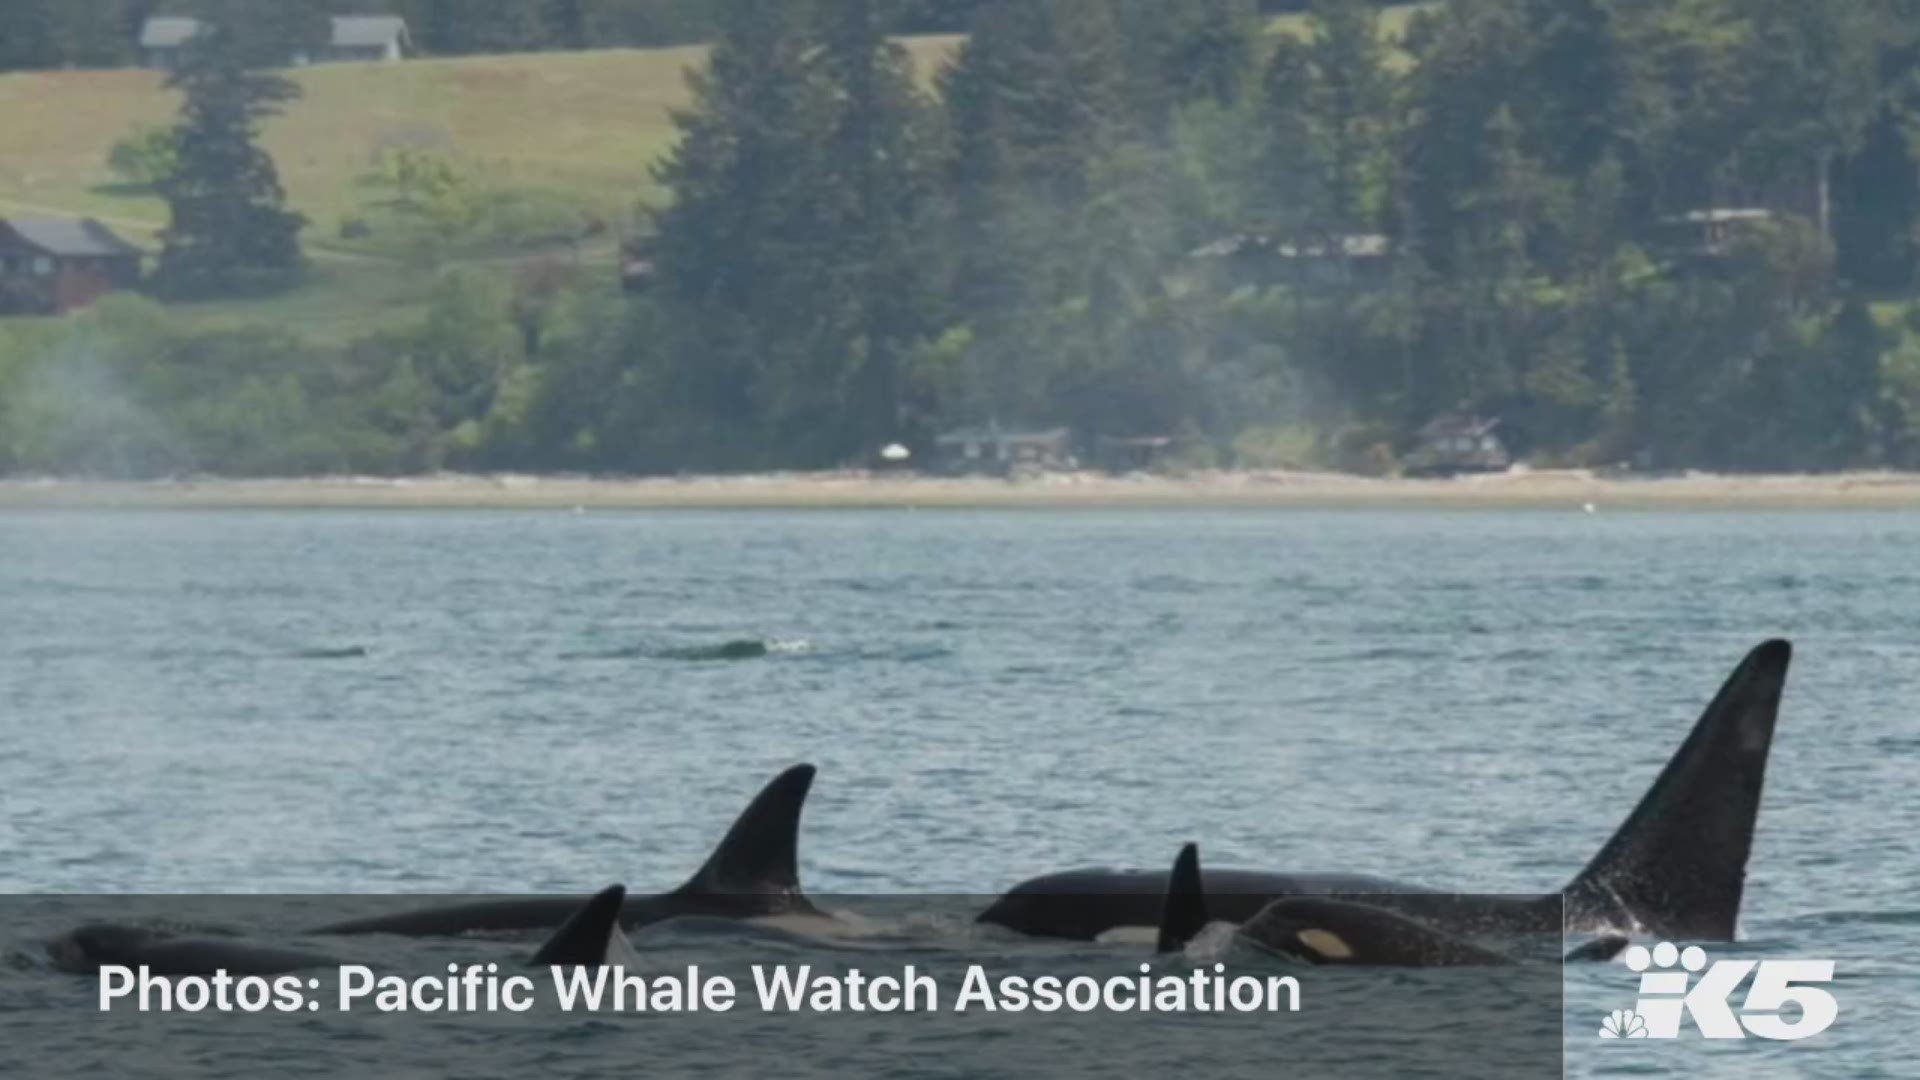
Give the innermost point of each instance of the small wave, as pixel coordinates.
(631, 652)
(1396, 652)
(1846, 917)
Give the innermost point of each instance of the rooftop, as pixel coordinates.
(996, 434)
(1344, 245)
(1446, 426)
(167, 31)
(349, 31)
(1713, 215)
(68, 236)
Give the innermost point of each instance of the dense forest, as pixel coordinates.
(1656, 233)
(40, 34)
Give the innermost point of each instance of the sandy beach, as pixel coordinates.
(1568, 490)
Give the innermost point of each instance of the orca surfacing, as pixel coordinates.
(589, 937)
(754, 872)
(1676, 868)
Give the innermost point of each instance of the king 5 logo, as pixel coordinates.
(1669, 994)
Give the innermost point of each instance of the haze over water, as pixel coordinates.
(493, 702)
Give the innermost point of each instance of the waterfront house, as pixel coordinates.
(1450, 445)
(991, 449)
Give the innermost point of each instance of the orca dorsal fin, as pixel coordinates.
(1184, 913)
(760, 853)
(1678, 865)
(588, 934)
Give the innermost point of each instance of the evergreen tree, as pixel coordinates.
(230, 230)
(1877, 207)
(1037, 104)
(28, 35)
(1329, 116)
(1574, 82)
(1812, 69)
(879, 173)
(1349, 104)
(1198, 50)
(737, 247)
(461, 27)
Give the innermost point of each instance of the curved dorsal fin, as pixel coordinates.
(586, 935)
(1184, 914)
(760, 853)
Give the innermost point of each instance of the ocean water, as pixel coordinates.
(332, 702)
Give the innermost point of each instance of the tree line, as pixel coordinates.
(1670, 233)
(1659, 233)
(42, 34)
(45, 34)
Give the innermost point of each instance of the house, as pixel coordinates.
(351, 39)
(1709, 232)
(50, 267)
(1450, 445)
(1334, 259)
(163, 36)
(377, 39)
(991, 450)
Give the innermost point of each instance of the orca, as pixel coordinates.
(1675, 869)
(753, 873)
(1183, 913)
(84, 951)
(591, 937)
(1335, 932)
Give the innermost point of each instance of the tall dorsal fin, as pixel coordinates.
(1184, 914)
(1678, 865)
(760, 853)
(586, 935)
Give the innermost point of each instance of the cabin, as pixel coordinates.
(366, 39)
(998, 452)
(1451, 445)
(351, 39)
(51, 266)
(162, 37)
(1337, 259)
(1708, 233)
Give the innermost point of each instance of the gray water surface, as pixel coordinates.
(491, 702)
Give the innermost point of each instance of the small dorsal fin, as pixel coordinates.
(1184, 914)
(760, 853)
(586, 935)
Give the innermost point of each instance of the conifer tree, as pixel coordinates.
(735, 246)
(230, 229)
(879, 174)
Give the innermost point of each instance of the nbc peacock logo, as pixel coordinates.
(1623, 1024)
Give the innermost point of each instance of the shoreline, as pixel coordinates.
(1571, 490)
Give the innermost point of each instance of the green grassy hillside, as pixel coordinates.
(587, 123)
(582, 126)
